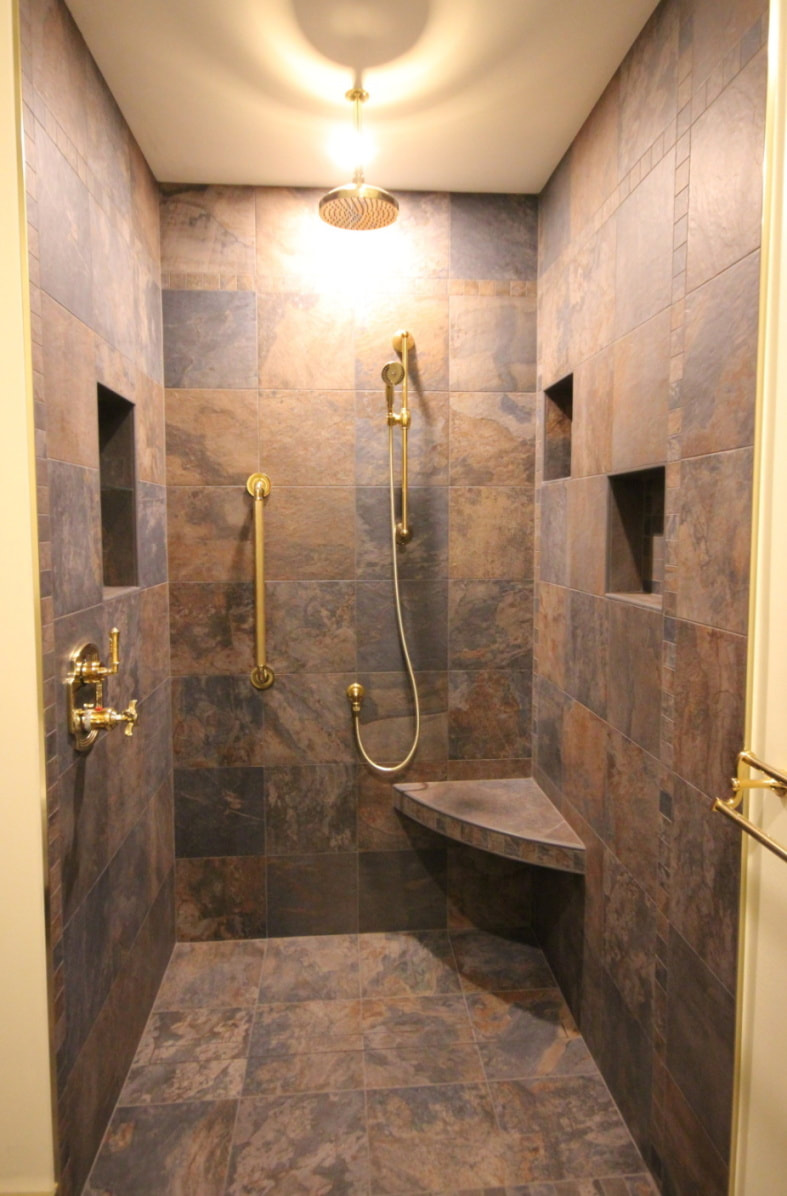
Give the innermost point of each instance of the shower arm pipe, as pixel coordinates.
(259, 487)
(402, 343)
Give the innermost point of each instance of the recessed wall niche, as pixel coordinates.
(558, 412)
(118, 505)
(635, 563)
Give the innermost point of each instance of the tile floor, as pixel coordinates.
(429, 1062)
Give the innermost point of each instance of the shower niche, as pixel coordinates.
(118, 498)
(635, 560)
(558, 415)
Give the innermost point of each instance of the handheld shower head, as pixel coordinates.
(392, 374)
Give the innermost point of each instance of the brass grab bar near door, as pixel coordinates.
(259, 487)
(775, 780)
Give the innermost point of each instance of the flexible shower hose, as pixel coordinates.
(382, 769)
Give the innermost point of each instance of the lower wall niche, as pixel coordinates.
(118, 502)
(635, 561)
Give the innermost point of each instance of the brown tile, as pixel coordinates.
(209, 534)
(293, 1028)
(57, 60)
(584, 758)
(494, 236)
(591, 303)
(311, 625)
(217, 721)
(151, 534)
(380, 826)
(689, 1158)
(487, 892)
(634, 691)
(553, 533)
(307, 720)
(591, 425)
(552, 623)
(299, 1140)
(423, 609)
(714, 539)
(401, 890)
(527, 1034)
(308, 439)
(113, 280)
(710, 684)
(313, 894)
(554, 214)
(310, 808)
(219, 811)
(643, 272)
(498, 963)
(409, 1067)
(701, 1040)
(76, 540)
(319, 1071)
(489, 714)
(587, 533)
(171, 1083)
(310, 533)
(717, 25)
(506, 322)
(427, 441)
(423, 1139)
(415, 1022)
(704, 871)
(379, 316)
(492, 439)
(588, 646)
(221, 898)
(641, 395)
(207, 229)
(211, 437)
(212, 627)
(387, 721)
(69, 386)
(629, 945)
(210, 339)
(195, 1035)
(312, 322)
(533, 1114)
(212, 976)
(633, 815)
(148, 1146)
(63, 202)
(648, 86)
(425, 555)
(491, 532)
(719, 372)
(724, 207)
(414, 964)
(550, 705)
(304, 969)
(594, 158)
(150, 427)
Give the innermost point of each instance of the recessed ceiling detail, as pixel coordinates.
(467, 95)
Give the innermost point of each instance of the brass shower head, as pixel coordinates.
(358, 205)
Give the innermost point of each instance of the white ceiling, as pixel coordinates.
(465, 95)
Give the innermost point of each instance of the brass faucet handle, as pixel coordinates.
(131, 717)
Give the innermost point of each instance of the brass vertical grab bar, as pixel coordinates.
(402, 343)
(259, 487)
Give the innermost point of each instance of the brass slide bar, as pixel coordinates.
(259, 487)
(776, 781)
(402, 343)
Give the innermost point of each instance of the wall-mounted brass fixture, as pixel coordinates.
(84, 682)
(772, 779)
(402, 342)
(259, 487)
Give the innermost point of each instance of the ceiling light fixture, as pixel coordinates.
(358, 205)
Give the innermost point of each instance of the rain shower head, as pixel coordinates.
(358, 205)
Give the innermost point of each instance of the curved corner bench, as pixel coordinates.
(512, 818)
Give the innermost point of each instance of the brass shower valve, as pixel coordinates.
(85, 681)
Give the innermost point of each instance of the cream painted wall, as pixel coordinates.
(26, 1147)
(760, 1139)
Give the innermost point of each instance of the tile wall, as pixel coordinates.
(96, 319)
(276, 328)
(648, 295)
